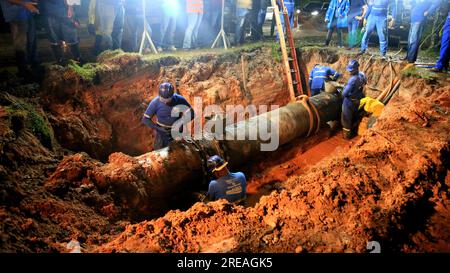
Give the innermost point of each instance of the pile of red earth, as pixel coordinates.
(391, 187)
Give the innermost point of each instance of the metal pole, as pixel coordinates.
(145, 34)
(221, 33)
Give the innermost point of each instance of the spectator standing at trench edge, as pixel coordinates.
(62, 26)
(243, 8)
(259, 10)
(133, 25)
(170, 11)
(355, 11)
(444, 53)
(421, 9)
(194, 10)
(336, 18)
(290, 7)
(106, 18)
(19, 15)
(377, 18)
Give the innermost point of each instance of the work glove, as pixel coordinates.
(391, 22)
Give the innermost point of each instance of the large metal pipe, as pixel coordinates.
(150, 182)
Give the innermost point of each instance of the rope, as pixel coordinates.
(304, 100)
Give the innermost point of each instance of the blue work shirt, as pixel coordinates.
(163, 112)
(13, 12)
(231, 187)
(355, 8)
(321, 73)
(380, 8)
(419, 7)
(355, 87)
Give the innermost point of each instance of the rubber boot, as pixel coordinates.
(57, 52)
(21, 61)
(347, 134)
(75, 50)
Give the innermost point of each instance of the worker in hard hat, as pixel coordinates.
(162, 107)
(352, 94)
(227, 185)
(319, 75)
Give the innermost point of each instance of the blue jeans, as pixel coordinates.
(352, 32)
(117, 32)
(380, 23)
(415, 34)
(162, 140)
(290, 10)
(61, 28)
(349, 116)
(241, 17)
(190, 36)
(168, 27)
(444, 57)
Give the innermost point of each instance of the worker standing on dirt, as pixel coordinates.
(355, 10)
(377, 18)
(319, 75)
(444, 58)
(194, 10)
(243, 8)
(419, 14)
(290, 7)
(228, 185)
(336, 18)
(62, 26)
(162, 107)
(20, 16)
(352, 94)
(107, 19)
(170, 12)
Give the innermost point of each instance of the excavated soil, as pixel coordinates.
(321, 194)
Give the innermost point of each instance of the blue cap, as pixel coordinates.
(352, 66)
(166, 90)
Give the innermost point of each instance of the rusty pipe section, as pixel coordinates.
(150, 183)
(293, 121)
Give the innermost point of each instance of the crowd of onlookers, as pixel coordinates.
(120, 24)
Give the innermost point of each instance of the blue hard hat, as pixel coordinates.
(353, 65)
(216, 163)
(166, 90)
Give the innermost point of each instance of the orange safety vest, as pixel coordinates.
(194, 6)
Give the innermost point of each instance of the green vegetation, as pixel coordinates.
(420, 73)
(87, 72)
(276, 52)
(23, 114)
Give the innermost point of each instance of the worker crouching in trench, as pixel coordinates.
(226, 185)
